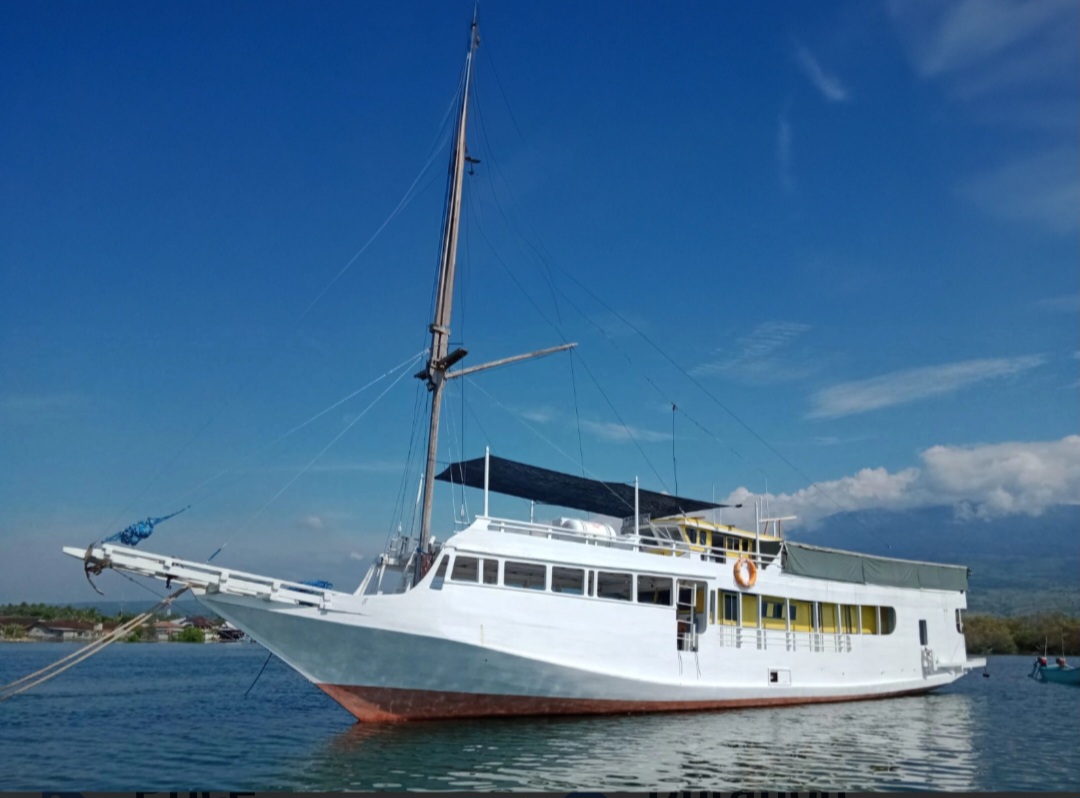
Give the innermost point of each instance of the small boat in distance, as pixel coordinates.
(1061, 673)
(665, 610)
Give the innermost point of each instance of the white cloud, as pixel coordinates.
(830, 86)
(538, 415)
(313, 522)
(25, 409)
(951, 38)
(1043, 188)
(355, 555)
(1009, 62)
(755, 356)
(909, 385)
(984, 481)
(1066, 303)
(620, 433)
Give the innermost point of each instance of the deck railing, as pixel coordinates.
(675, 548)
(782, 640)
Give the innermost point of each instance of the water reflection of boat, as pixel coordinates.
(890, 745)
(1060, 673)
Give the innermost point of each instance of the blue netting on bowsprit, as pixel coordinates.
(319, 583)
(140, 531)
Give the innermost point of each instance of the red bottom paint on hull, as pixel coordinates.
(391, 705)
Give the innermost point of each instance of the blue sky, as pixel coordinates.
(843, 239)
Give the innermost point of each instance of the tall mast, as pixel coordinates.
(439, 362)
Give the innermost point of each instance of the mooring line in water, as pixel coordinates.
(260, 673)
(54, 669)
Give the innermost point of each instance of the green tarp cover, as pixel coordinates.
(846, 566)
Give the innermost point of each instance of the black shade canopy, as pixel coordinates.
(565, 490)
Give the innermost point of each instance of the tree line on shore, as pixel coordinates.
(1057, 634)
(52, 612)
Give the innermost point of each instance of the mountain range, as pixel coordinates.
(1020, 564)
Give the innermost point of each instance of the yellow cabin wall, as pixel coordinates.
(869, 620)
(749, 610)
(828, 618)
(803, 620)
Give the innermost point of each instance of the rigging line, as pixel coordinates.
(649, 379)
(140, 584)
(584, 365)
(577, 413)
(483, 431)
(305, 469)
(511, 224)
(625, 426)
(702, 388)
(157, 475)
(490, 60)
(72, 659)
(447, 197)
(452, 430)
(53, 669)
(674, 463)
(404, 364)
(550, 443)
(437, 147)
(546, 274)
(406, 198)
(399, 501)
(398, 514)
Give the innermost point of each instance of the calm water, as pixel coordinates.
(159, 717)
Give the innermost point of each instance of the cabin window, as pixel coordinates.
(772, 613)
(746, 544)
(717, 550)
(849, 618)
(959, 622)
(869, 620)
(924, 636)
(888, 620)
(568, 580)
(730, 608)
(614, 586)
(654, 590)
(712, 607)
(466, 569)
(491, 572)
(440, 573)
(527, 575)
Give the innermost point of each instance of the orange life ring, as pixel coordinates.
(745, 572)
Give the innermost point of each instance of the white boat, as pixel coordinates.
(670, 611)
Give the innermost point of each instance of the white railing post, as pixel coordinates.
(637, 511)
(487, 477)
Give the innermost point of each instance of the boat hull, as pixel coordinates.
(388, 705)
(1068, 676)
(366, 670)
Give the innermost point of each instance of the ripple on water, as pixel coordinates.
(138, 714)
